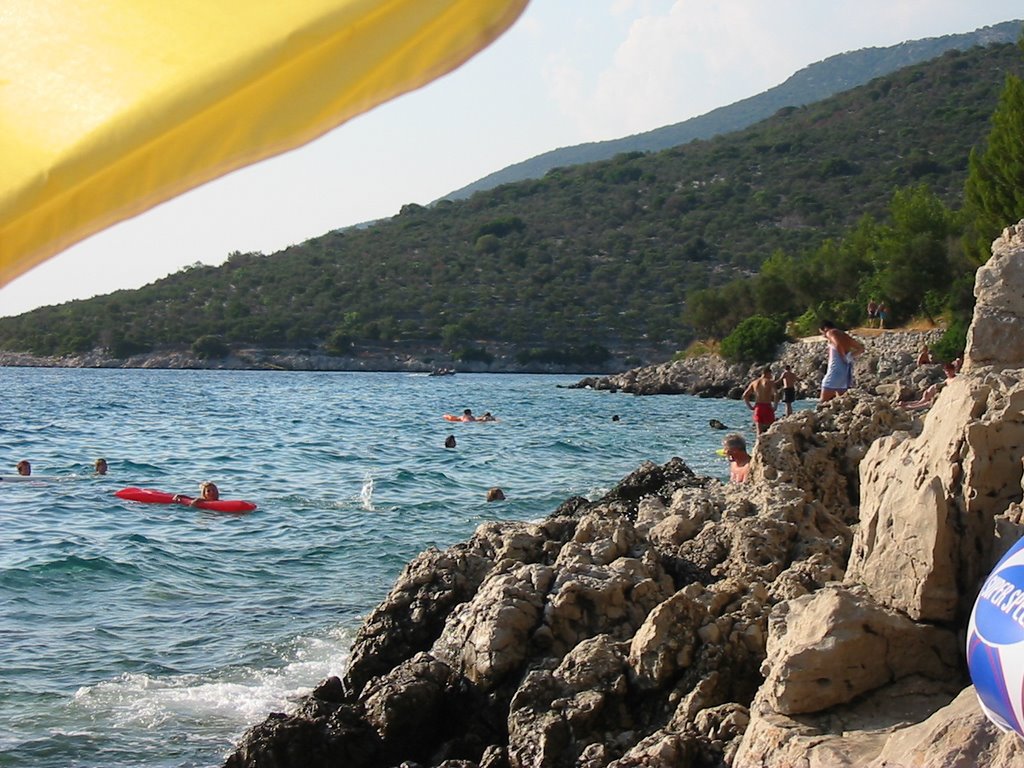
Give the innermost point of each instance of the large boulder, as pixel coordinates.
(996, 336)
(928, 517)
(834, 645)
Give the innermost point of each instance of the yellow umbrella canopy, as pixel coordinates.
(109, 107)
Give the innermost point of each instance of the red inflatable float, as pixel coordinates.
(150, 496)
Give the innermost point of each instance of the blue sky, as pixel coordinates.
(568, 72)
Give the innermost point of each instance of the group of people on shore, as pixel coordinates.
(877, 312)
(763, 395)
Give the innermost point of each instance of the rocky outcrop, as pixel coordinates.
(888, 367)
(996, 338)
(813, 616)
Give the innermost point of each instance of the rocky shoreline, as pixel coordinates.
(814, 616)
(377, 360)
(888, 367)
(681, 622)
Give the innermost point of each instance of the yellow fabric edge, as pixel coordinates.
(109, 195)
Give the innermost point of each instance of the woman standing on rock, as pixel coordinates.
(841, 350)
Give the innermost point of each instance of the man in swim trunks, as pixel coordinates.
(842, 348)
(787, 381)
(761, 397)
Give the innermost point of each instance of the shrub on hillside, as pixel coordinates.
(953, 341)
(754, 340)
(206, 347)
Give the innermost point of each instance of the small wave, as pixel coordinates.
(71, 565)
(239, 696)
(564, 446)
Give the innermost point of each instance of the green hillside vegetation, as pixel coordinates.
(588, 258)
(813, 83)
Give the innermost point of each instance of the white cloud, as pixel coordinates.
(676, 60)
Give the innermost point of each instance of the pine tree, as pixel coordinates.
(994, 192)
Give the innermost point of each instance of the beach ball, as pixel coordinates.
(995, 642)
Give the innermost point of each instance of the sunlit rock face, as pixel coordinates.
(996, 336)
(813, 615)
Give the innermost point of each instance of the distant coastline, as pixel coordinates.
(706, 376)
(381, 360)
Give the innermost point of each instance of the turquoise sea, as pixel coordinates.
(150, 635)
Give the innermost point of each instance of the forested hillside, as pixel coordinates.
(589, 257)
(812, 83)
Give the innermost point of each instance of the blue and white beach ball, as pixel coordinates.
(995, 642)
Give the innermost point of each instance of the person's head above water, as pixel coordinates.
(209, 491)
(101, 466)
(734, 443)
(449, 442)
(24, 467)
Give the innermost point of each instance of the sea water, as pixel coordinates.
(152, 635)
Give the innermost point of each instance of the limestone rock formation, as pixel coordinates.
(996, 337)
(813, 616)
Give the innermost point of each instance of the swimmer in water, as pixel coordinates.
(207, 492)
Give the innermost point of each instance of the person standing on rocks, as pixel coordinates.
(872, 313)
(842, 348)
(787, 382)
(762, 397)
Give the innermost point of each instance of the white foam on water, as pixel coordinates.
(366, 494)
(232, 698)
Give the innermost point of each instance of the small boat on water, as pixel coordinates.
(442, 372)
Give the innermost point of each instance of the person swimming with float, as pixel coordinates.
(207, 492)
